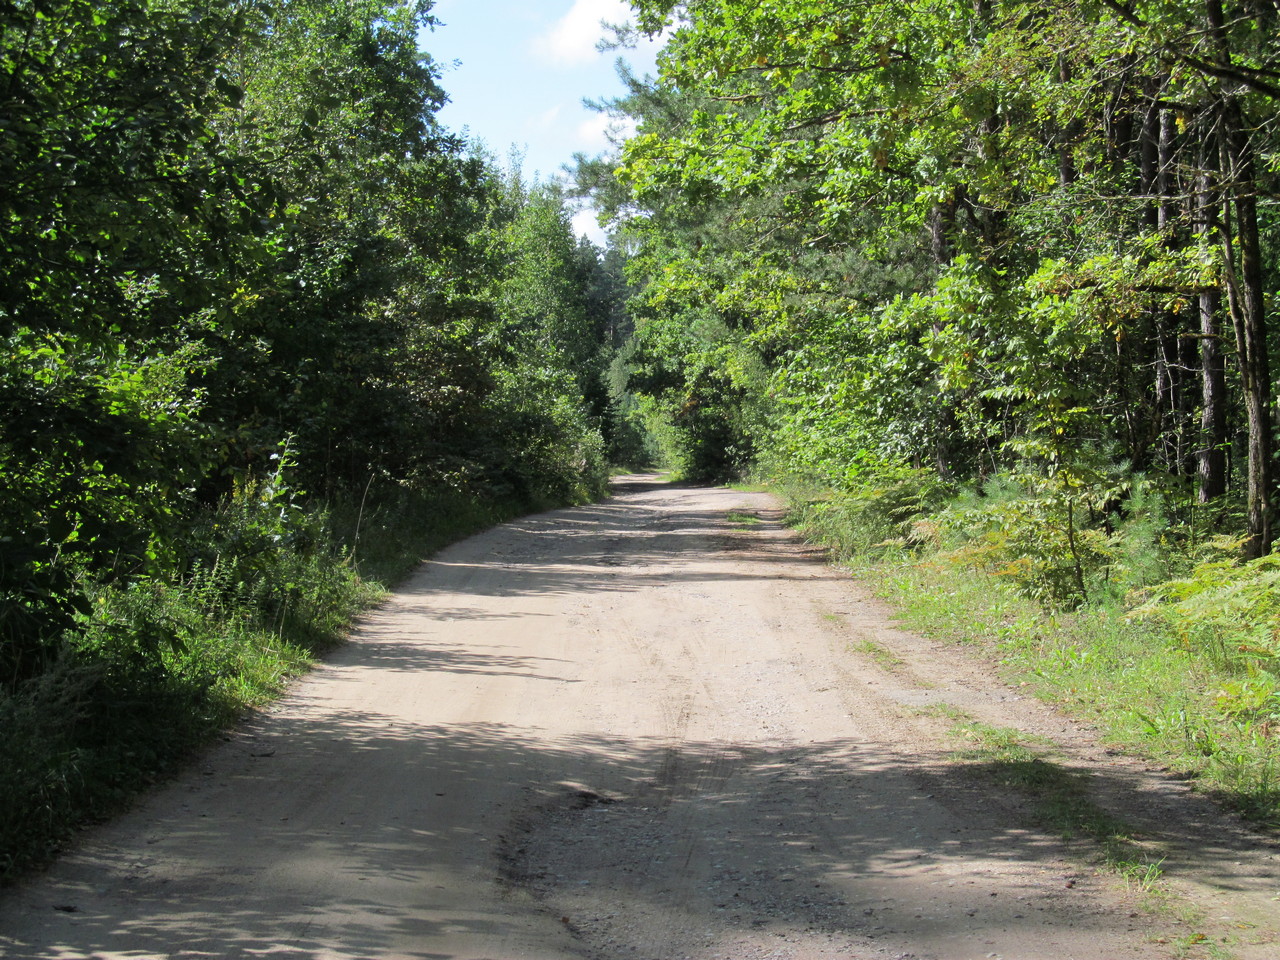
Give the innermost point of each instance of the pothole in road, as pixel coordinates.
(671, 872)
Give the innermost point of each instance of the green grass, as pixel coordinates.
(1144, 691)
(885, 657)
(1144, 875)
(943, 711)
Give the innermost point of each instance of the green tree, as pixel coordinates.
(1083, 176)
(118, 217)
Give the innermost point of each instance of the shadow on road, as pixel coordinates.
(620, 545)
(813, 814)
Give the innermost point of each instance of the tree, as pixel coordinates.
(118, 212)
(1084, 177)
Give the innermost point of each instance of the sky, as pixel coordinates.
(517, 71)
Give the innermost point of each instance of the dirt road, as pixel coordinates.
(641, 729)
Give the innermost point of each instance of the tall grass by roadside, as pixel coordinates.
(160, 665)
(1157, 634)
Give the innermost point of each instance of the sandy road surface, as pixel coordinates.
(641, 729)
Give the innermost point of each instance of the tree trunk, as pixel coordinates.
(1067, 174)
(1245, 295)
(1246, 303)
(1251, 341)
(1211, 457)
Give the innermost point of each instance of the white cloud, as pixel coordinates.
(593, 132)
(571, 41)
(585, 225)
(600, 132)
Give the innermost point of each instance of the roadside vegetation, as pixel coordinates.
(1178, 670)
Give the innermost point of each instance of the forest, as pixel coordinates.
(983, 288)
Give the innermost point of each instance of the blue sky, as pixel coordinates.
(524, 67)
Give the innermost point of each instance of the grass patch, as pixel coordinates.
(1139, 874)
(1189, 678)
(882, 655)
(943, 711)
(742, 520)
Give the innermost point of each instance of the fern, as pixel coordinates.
(1230, 610)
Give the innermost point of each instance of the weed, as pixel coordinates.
(740, 519)
(1143, 875)
(944, 711)
(885, 657)
(995, 739)
(1197, 944)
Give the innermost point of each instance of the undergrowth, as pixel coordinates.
(1151, 628)
(160, 664)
